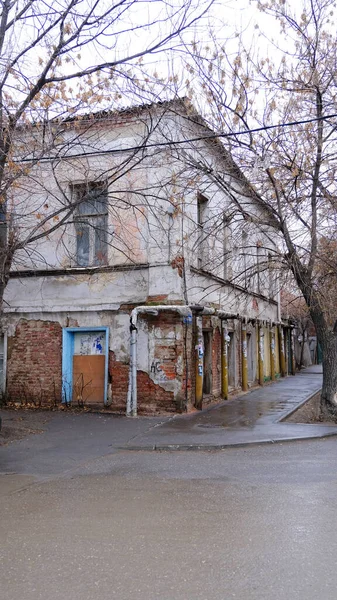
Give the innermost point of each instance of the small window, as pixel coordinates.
(259, 266)
(202, 207)
(91, 223)
(245, 267)
(271, 276)
(227, 250)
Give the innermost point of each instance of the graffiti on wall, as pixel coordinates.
(89, 344)
(157, 369)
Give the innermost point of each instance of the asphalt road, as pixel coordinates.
(246, 523)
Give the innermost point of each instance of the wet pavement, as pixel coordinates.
(73, 440)
(84, 518)
(255, 417)
(246, 523)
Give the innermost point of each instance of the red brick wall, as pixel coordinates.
(151, 395)
(118, 379)
(168, 353)
(34, 369)
(34, 363)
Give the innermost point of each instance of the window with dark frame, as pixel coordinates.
(91, 223)
(202, 216)
(271, 280)
(259, 266)
(245, 274)
(226, 247)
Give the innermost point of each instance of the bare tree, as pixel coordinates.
(58, 63)
(277, 115)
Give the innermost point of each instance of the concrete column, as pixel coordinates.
(272, 353)
(261, 354)
(292, 349)
(199, 362)
(244, 357)
(282, 351)
(224, 361)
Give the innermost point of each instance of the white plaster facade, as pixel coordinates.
(158, 250)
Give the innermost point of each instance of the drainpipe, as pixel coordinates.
(185, 311)
(261, 353)
(224, 360)
(132, 389)
(282, 352)
(244, 356)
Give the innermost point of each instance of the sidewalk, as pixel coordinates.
(70, 441)
(250, 419)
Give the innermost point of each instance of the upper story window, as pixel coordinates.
(245, 260)
(259, 266)
(227, 247)
(91, 223)
(202, 216)
(271, 276)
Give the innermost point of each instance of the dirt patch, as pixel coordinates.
(17, 425)
(309, 412)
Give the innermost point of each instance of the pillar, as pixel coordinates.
(199, 362)
(261, 354)
(224, 361)
(282, 351)
(244, 357)
(272, 353)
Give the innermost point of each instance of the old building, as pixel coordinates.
(130, 238)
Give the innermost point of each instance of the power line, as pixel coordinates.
(212, 136)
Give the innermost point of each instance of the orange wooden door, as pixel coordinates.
(88, 379)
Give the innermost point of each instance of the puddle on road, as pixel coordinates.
(243, 412)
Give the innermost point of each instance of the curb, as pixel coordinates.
(217, 447)
(290, 412)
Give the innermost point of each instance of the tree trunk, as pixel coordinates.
(325, 336)
(329, 388)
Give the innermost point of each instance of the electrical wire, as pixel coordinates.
(212, 136)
